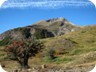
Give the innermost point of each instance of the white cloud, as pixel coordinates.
(1, 2)
(44, 3)
(94, 2)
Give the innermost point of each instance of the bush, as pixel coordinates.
(22, 50)
(51, 53)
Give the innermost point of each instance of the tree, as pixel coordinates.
(22, 50)
(51, 53)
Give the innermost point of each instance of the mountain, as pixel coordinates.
(73, 47)
(42, 29)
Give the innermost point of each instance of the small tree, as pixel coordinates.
(51, 53)
(22, 50)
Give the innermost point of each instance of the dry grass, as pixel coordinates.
(73, 49)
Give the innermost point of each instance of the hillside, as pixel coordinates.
(42, 29)
(75, 44)
(72, 49)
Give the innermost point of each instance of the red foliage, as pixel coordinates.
(17, 47)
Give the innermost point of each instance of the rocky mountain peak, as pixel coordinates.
(56, 19)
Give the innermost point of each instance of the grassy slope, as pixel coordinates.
(79, 48)
(75, 48)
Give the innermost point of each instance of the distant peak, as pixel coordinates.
(53, 20)
(56, 19)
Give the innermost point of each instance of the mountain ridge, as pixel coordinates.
(46, 28)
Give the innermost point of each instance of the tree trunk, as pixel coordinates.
(24, 62)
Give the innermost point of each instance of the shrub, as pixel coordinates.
(51, 53)
(22, 50)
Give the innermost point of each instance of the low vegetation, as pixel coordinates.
(5, 41)
(74, 48)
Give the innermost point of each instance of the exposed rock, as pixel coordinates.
(43, 66)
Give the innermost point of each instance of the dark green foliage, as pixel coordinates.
(42, 33)
(26, 32)
(5, 41)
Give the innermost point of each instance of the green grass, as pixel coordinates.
(57, 60)
(5, 41)
(93, 49)
(47, 60)
(63, 60)
(76, 52)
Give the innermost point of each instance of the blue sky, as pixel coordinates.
(19, 13)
